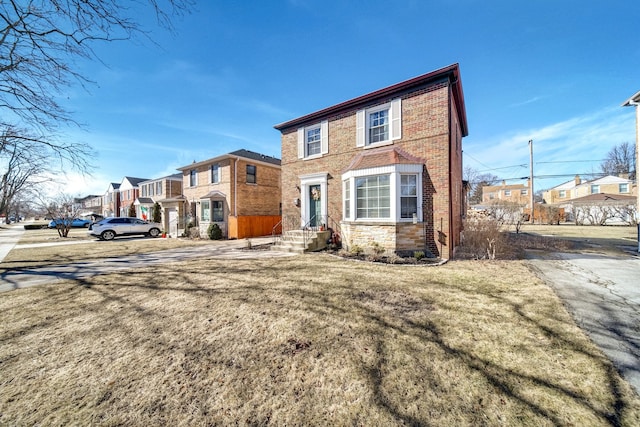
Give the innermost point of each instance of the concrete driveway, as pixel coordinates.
(602, 292)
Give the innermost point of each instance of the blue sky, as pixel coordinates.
(548, 70)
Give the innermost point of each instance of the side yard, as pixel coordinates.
(309, 340)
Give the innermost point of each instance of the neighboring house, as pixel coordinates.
(516, 193)
(601, 209)
(239, 191)
(385, 167)
(577, 188)
(111, 200)
(129, 192)
(167, 191)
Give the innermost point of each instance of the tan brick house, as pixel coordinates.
(385, 167)
(515, 193)
(167, 191)
(111, 200)
(239, 191)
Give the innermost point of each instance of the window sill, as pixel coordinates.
(379, 144)
(312, 157)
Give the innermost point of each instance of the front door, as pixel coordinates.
(315, 205)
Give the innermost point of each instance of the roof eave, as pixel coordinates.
(451, 71)
(634, 100)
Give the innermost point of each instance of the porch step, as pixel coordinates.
(294, 241)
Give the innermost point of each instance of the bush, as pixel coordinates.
(214, 232)
(34, 226)
(482, 239)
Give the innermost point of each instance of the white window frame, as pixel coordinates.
(595, 187)
(562, 194)
(621, 186)
(303, 147)
(394, 171)
(215, 173)
(307, 181)
(524, 192)
(205, 206)
(395, 124)
(193, 178)
(507, 193)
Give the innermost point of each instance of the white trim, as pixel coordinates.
(394, 183)
(307, 181)
(394, 107)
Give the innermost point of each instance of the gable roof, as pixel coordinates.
(133, 181)
(246, 154)
(634, 100)
(450, 73)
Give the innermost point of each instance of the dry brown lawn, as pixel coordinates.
(309, 340)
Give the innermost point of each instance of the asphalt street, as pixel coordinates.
(602, 292)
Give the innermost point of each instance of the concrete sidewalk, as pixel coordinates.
(9, 236)
(224, 249)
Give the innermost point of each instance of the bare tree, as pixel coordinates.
(40, 40)
(621, 159)
(63, 210)
(28, 160)
(476, 181)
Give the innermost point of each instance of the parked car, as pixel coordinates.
(109, 228)
(75, 222)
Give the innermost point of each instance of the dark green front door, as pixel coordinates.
(315, 202)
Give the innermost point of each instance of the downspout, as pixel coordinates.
(235, 188)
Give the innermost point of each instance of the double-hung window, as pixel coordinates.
(595, 189)
(218, 212)
(623, 188)
(507, 193)
(379, 125)
(159, 188)
(251, 174)
(215, 173)
(193, 178)
(313, 141)
(408, 196)
(562, 194)
(347, 199)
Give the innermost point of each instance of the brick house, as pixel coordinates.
(167, 191)
(578, 187)
(111, 200)
(129, 192)
(385, 167)
(239, 191)
(515, 193)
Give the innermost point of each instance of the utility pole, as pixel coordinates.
(531, 198)
(635, 101)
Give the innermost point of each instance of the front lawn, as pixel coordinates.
(309, 340)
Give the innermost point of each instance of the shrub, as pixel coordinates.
(214, 232)
(34, 226)
(418, 255)
(377, 248)
(482, 238)
(356, 250)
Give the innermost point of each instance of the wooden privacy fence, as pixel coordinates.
(242, 227)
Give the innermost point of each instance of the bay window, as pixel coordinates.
(388, 193)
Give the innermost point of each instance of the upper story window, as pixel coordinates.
(595, 189)
(524, 192)
(251, 174)
(215, 173)
(159, 188)
(623, 188)
(193, 178)
(381, 124)
(562, 194)
(507, 193)
(313, 141)
(150, 189)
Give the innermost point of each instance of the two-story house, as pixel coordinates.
(111, 200)
(239, 191)
(578, 187)
(515, 193)
(167, 192)
(129, 192)
(385, 166)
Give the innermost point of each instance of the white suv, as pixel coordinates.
(109, 228)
